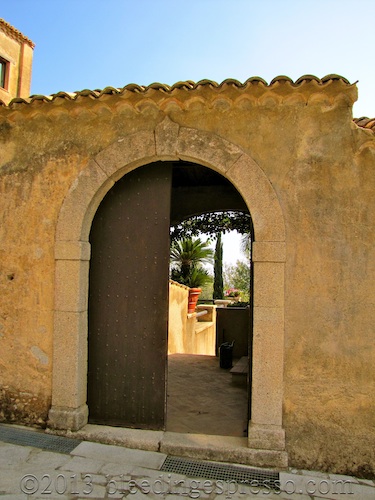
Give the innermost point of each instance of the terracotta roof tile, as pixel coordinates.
(365, 122)
(335, 77)
(189, 86)
(282, 78)
(14, 33)
(186, 85)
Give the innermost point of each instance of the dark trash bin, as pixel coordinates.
(226, 355)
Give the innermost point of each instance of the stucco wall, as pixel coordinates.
(177, 318)
(189, 333)
(321, 167)
(18, 52)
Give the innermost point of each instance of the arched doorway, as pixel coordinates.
(128, 285)
(171, 142)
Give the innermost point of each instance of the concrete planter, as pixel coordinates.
(222, 302)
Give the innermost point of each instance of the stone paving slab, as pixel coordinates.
(118, 454)
(12, 455)
(129, 438)
(96, 471)
(13, 497)
(39, 458)
(83, 465)
(116, 469)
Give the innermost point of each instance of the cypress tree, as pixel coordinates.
(218, 269)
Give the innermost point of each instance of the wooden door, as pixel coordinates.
(128, 301)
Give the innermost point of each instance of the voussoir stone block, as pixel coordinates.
(260, 197)
(86, 191)
(127, 153)
(208, 149)
(166, 137)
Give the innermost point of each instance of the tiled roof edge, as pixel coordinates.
(185, 85)
(364, 122)
(15, 33)
(189, 85)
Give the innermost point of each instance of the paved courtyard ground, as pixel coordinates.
(202, 398)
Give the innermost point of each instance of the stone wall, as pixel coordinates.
(319, 164)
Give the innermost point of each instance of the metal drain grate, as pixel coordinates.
(223, 472)
(37, 439)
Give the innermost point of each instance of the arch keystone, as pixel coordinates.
(166, 137)
(208, 149)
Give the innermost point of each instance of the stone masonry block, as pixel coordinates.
(72, 250)
(120, 157)
(268, 284)
(71, 285)
(166, 137)
(266, 437)
(90, 186)
(67, 418)
(70, 359)
(210, 150)
(260, 198)
(268, 251)
(268, 359)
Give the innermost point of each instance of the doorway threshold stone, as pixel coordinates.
(130, 438)
(221, 449)
(199, 446)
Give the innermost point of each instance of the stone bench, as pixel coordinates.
(240, 370)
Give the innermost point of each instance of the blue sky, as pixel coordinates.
(95, 44)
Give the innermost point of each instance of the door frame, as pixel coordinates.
(170, 142)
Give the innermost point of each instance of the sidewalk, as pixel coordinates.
(98, 471)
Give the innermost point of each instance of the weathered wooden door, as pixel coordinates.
(128, 301)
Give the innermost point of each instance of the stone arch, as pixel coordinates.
(170, 142)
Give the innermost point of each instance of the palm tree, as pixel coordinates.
(187, 258)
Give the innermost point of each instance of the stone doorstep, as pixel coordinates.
(239, 371)
(197, 446)
(221, 449)
(241, 367)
